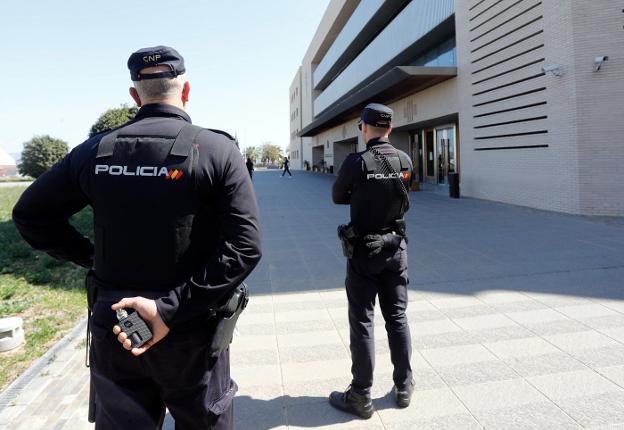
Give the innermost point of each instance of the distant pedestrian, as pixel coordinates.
(286, 166)
(250, 167)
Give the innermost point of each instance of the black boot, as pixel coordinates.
(404, 396)
(352, 402)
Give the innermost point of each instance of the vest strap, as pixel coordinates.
(107, 145)
(184, 140)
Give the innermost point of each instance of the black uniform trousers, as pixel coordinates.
(132, 392)
(384, 275)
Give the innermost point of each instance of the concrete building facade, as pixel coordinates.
(523, 98)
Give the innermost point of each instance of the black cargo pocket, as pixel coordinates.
(223, 402)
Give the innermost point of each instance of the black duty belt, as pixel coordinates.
(108, 295)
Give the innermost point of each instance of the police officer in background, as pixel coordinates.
(176, 231)
(375, 183)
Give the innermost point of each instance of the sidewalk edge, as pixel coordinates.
(15, 388)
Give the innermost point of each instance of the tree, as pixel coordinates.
(251, 152)
(113, 118)
(270, 153)
(40, 153)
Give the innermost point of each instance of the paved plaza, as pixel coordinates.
(516, 316)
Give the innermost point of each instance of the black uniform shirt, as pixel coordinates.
(375, 204)
(194, 237)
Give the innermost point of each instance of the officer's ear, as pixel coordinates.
(135, 96)
(186, 89)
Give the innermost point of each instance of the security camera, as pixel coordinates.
(598, 62)
(555, 69)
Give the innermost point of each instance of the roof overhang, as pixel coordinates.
(395, 84)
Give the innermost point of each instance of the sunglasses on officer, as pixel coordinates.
(360, 125)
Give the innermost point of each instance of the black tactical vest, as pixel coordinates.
(144, 197)
(378, 201)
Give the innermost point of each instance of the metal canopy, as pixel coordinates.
(397, 83)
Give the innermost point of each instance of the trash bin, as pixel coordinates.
(453, 179)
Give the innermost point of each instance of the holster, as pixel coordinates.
(347, 236)
(227, 316)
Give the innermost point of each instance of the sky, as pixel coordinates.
(64, 63)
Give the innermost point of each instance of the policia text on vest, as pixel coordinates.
(176, 233)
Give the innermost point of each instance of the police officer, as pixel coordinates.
(375, 183)
(176, 231)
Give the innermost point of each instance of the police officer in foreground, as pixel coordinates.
(176, 231)
(375, 183)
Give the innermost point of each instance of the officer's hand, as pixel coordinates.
(374, 243)
(148, 311)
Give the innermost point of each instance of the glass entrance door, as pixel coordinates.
(416, 153)
(446, 154)
(430, 165)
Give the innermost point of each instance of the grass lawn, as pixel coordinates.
(47, 294)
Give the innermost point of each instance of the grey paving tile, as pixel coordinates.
(484, 322)
(256, 329)
(455, 355)
(521, 306)
(242, 343)
(500, 334)
(520, 347)
(498, 394)
(470, 311)
(536, 416)
(536, 316)
(613, 322)
(259, 414)
(435, 327)
(579, 383)
(303, 327)
(601, 357)
(259, 357)
(614, 373)
(444, 340)
(557, 327)
(476, 373)
(314, 370)
(455, 302)
(425, 405)
(313, 353)
(322, 416)
(577, 341)
(582, 312)
(545, 364)
(601, 410)
(616, 333)
(313, 338)
(315, 390)
(448, 422)
(420, 316)
(257, 375)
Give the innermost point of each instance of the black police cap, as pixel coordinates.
(155, 56)
(377, 115)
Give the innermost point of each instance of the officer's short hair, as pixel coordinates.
(159, 88)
